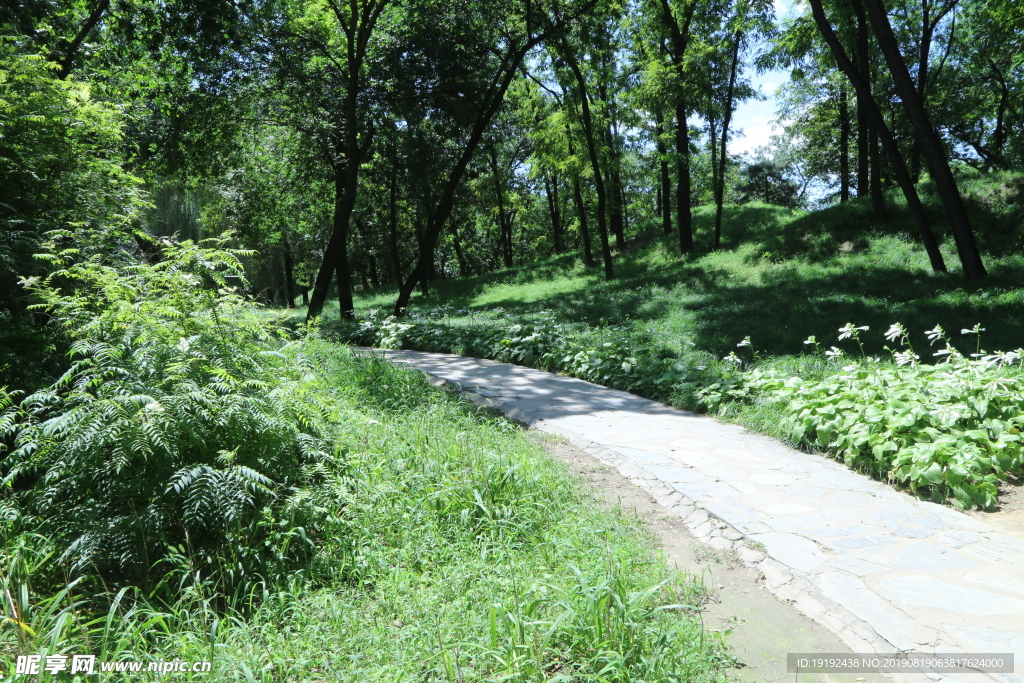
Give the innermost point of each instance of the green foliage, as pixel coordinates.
(948, 430)
(178, 425)
(60, 160)
(452, 549)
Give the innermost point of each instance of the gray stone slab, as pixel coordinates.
(733, 512)
(857, 566)
(794, 522)
(958, 538)
(889, 622)
(704, 489)
(924, 555)
(645, 457)
(841, 481)
(857, 544)
(775, 479)
(792, 550)
(907, 525)
(673, 473)
(840, 513)
(922, 590)
(850, 498)
(1001, 581)
(806, 493)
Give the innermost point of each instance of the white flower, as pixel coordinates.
(935, 334)
(834, 352)
(745, 342)
(907, 358)
(811, 340)
(848, 330)
(154, 407)
(896, 330)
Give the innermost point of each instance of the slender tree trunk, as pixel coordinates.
(665, 190)
(595, 163)
(371, 259)
(931, 144)
(551, 193)
(336, 255)
(881, 214)
(684, 214)
(581, 207)
(289, 277)
(878, 124)
(396, 259)
(499, 193)
(465, 269)
(863, 118)
(844, 147)
(581, 213)
(720, 189)
(560, 228)
(362, 21)
(679, 41)
(614, 193)
(924, 52)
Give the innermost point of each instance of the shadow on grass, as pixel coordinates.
(780, 277)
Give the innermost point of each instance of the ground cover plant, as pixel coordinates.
(201, 486)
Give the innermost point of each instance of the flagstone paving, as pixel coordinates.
(886, 572)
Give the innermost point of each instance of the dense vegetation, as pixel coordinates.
(753, 332)
(184, 474)
(199, 486)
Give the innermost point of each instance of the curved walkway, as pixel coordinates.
(886, 572)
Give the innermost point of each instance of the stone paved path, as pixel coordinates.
(883, 570)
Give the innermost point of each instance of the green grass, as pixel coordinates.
(454, 550)
(780, 277)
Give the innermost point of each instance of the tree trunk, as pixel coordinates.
(684, 215)
(844, 147)
(931, 144)
(665, 190)
(720, 189)
(336, 254)
(878, 210)
(396, 259)
(595, 163)
(581, 213)
(465, 270)
(863, 118)
(499, 192)
(878, 124)
(581, 207)
(551, 192)
(350, 153)
(679, 41)
(289, 277)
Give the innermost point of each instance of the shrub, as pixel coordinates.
(182, 426)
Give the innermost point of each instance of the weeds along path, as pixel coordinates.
(884, 571)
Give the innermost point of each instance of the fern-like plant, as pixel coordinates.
(184, 422)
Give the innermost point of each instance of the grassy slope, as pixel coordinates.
(780, 277)
(456, 550)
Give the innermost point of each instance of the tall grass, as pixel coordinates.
(452, 550)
